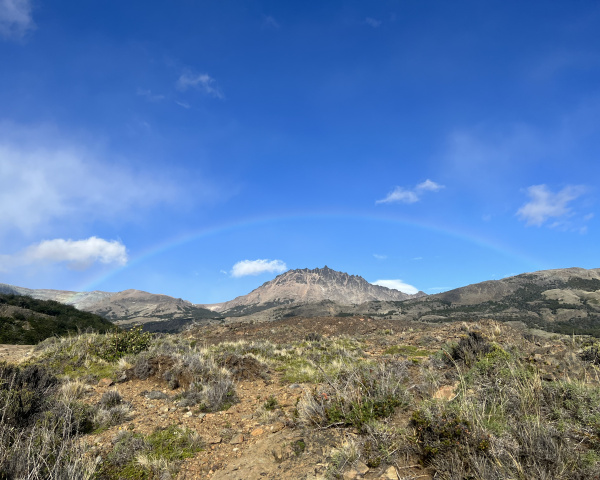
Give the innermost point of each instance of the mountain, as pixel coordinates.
(562, 300)
(123, 308)
(305, 286)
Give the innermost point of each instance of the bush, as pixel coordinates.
(39, 427)
(470, 348)
(124, 342)
(358, 396)
(156, 456)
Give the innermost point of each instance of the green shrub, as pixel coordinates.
(156, 456)
(123, 342)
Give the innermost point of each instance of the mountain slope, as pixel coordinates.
(561, 300)
(303, 286)
(25, 320)
(126, 307)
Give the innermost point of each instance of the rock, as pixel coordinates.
(390, 474)
(350, 474)
(257, 431)
(239, 438)
(294, 386)
(361, 468)
(446, 392)
(188, 414)
(277, 426)
(105, 382)
(214, 440)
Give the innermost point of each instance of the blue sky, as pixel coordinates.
(198, 149)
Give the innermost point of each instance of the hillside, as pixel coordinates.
(313, 399)
(560, 300)
(124, 308)
(26, 321)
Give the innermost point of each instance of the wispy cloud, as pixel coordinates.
(15, 18)
(372, 22)
(544, 204)
(256, 267)
(44, 183)
(410, 195)
(199, 81)
(379, 257)
(397, 284)
(148, 95)
(77, 254)
(270, 22)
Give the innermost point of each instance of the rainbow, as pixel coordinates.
(239, 225)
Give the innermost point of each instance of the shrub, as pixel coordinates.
(356, 397)
(124, 342)
(156, 456)
(469, 348)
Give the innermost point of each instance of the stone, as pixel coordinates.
(277, 426)
(105, 382)
(390, 474)
(214, 440)
(446, 392)
(361, 468)
(350, 474)
(236, 440)
(257, 431)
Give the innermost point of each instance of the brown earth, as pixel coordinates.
(15, 353)
(245, 443)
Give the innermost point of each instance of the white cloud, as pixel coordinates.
(256, 267)
(77, 254)
(372, 22)
(428, 186)
(15, 18)
(200, 81)
(42, 183)
(404, 195)
(397, 284)
(379, 257)
(545, 204)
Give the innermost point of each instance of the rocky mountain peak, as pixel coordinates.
(306, 285)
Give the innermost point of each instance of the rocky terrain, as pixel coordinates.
(293, 410)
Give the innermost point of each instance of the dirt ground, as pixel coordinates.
(243, 443)
(15, 353)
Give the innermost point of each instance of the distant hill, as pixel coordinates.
(561, 300)
(164, 313)
(123, 308)
(25, 320)
(306, 286)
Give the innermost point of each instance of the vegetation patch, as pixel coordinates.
(36, 320)
(407, 350)
(356, 397)
(156, 456)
